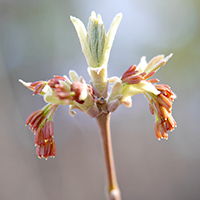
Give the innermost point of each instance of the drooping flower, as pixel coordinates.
(161, 107)
(40, 122)
(57, 91)
(136, 80)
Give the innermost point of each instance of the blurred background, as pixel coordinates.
(38, 40)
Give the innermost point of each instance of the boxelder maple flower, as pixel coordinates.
(93, 98)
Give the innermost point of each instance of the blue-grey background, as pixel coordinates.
(38, 40)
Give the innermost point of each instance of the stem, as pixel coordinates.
(103, 122)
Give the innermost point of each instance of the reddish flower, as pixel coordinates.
(40, 122)
(161, 106)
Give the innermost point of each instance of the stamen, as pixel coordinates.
(164, 112)
(164, 101)
(39, 137)
(39, 151)
(159, 113)
(38, 88)
(155, 80)
(172, 122)
(133, 79)
(51, 129)
(149, 75)
(151, 108)
(131, 71)
(143, 74)
(60, 77)
(53, 149)
(35, 124)
(34, 84)
(46, 131)
(33, 116)
(47, 150)
(163, 130)
(157, 131)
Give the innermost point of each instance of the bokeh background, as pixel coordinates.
(38, 40)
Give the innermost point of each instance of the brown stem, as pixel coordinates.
(103, 122)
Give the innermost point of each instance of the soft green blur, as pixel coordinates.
(38, 40)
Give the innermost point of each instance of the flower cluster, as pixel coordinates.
(136, 80)
(57, 91)
(40, 122)
(161, 106)
(93, 98)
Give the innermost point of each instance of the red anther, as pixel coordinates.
(39, 137)
(39, 151)
(131, 71)
(38, 88)
(164, 101)
(46, 131)
(143, 74)
(60, 77)
(34, 84)
(133, 79)
(157, 131)
(53, 149)
(151, 108)
(47, 149)
(155, 80)
(149, 75)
